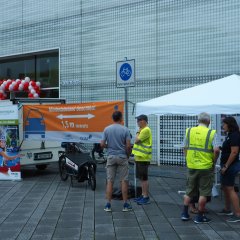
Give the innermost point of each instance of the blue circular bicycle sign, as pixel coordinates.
(125, 72)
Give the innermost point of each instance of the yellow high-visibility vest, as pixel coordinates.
(143, 150)
(199, 147)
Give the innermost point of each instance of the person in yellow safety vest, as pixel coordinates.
(142, 150)
(201, 149)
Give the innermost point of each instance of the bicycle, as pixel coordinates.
(77, 164)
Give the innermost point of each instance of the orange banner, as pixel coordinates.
(51, 121)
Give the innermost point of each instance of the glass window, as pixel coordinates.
(42, 67)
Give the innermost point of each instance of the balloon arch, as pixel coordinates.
(31, 87)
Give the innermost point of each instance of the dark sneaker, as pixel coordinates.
(225, 212)
(185, 216)
(144, 201)
(202, 219)
(127, 207)
(138, 199)
(108, 207)
(233, 219)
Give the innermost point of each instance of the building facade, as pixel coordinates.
(175, 44)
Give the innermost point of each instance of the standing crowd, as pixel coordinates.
(201, 149)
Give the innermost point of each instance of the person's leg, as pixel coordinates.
(123, 175)
(191, 191)
(186, 201)
(124, 172)
(227, 204)
(111, 173)
(145, 188)
(109, 190)
(192, 204)
(124, 190)
(233, 199)
(143, 175)
(202, 204)
(205, 183)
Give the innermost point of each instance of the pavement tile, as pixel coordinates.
(69, 223)
(73, 233)
(193, 236)
(167, 236)
(229, 235)
(104, 228)
(43, 207)
(128, 232)
(9, 234)
(187, 229)
(41, 237)
(124, 223)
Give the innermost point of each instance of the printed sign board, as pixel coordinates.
(83, 122)
(125, 73)
(9, 143)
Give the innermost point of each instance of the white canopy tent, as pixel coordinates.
(216, 97)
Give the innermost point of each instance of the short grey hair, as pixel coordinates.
(204, 117)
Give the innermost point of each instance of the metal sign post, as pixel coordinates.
(125, 77)
(126, 106)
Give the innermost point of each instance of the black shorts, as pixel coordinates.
(142, 170)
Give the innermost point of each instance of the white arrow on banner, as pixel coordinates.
(76, 116)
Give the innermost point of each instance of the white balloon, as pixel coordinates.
(9, 80)
(30, 87)
(23, 81)
(20, 87)
(32, 91)
(27, 79)
(17, 80)
(38, 84)
(35, 95)
(11, 87)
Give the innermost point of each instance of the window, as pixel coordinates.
(40, 66)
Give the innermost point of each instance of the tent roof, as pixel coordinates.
(215, 97)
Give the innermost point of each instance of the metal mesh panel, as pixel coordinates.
(175, 44)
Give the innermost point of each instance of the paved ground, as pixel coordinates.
(43, 207)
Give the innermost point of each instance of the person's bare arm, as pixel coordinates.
(128, 147)
(233, 154)
(216, 152)
(103, 144)
(137, 140)
(6, 157)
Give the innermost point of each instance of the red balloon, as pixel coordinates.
(15, 88)
(30, 95)
(25, 86)
(32, 83)
(7, 85)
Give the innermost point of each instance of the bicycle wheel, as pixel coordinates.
(62, 168)
(92, 177)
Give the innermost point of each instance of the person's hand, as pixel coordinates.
(19, 155)
(223, 169)
(139, 130)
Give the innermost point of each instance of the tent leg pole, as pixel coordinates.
(158, 140)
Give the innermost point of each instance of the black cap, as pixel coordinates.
(142, 117)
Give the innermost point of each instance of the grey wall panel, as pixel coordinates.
(176, 44)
